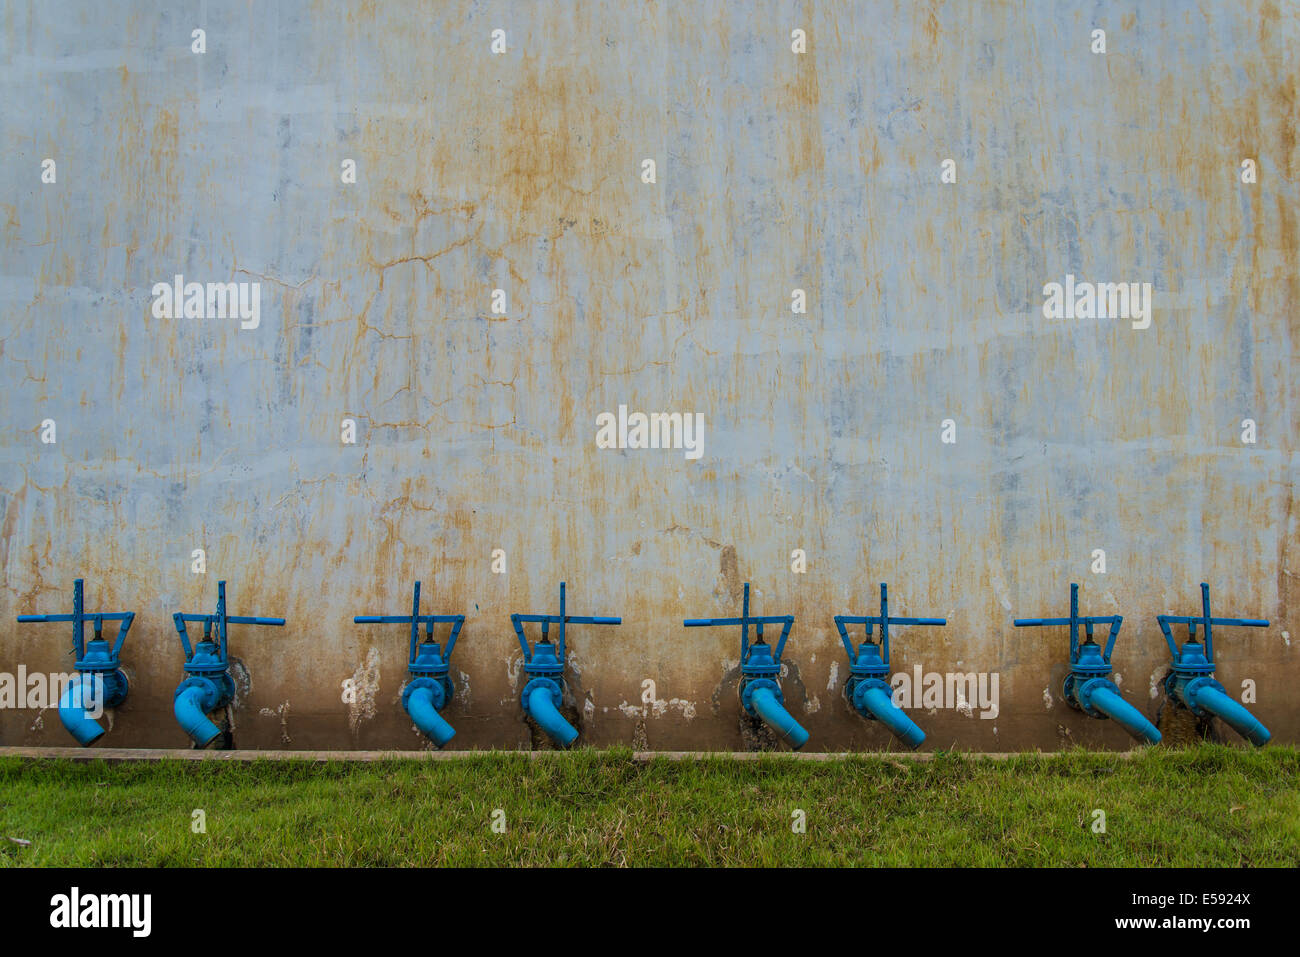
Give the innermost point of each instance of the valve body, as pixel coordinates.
(100, 684)
(207, 687)
(872, 697)
(761, 696)
(428, 692)
(544, 694)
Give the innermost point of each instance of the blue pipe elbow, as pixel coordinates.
(422, 705)
(194, 699)
(1207, 697)
(542, 704)
(1101, 697)
(765, 702)
(78, 698)
(881, 706)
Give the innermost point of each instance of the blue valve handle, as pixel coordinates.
(1074, 621)
(562, 619)
(415, 619)
(79, 619)
(220, 619)
(744, 621)
(1205, 621)
(883, 620)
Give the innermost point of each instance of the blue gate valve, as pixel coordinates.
(100, 682)
(760, 667)
(1192, 681)
(1088, 687)
(429, 689)
(868, 688)
(544, 664)
(207, 685)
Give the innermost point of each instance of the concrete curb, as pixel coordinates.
(146, 755)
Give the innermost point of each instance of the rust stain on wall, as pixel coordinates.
(476, 429)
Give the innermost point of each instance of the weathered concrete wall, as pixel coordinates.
(522, 171)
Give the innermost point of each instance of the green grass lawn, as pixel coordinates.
(1206, 806)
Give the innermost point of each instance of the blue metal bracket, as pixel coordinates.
(868, 688)
(544, 663)
(1094, 660)
(561, 619)
(430, 688)
(760, 669)
(1088, 687)
(1192, 679)
(771, 665)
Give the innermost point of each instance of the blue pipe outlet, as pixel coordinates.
(544, 664)
(1209, 696)
(542, 699)
(868, 687)
(195, 697)
(100, 683)
(764, 697)
(879, 703)
(1191, 681)
(423, 698)
(1102, 695)
(78, 699)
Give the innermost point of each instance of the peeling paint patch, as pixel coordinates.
(1048, 700)
(365, 682)
(281, 712)
(514, 667)
(243, 683)
(834, 678)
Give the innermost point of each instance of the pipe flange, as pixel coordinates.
(219, 685)
(116, 687)
(440, 687)
(1087, 686)
(549, 684)
(856, 689)
(115, 684)
(750, 685)
(1187, 693)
